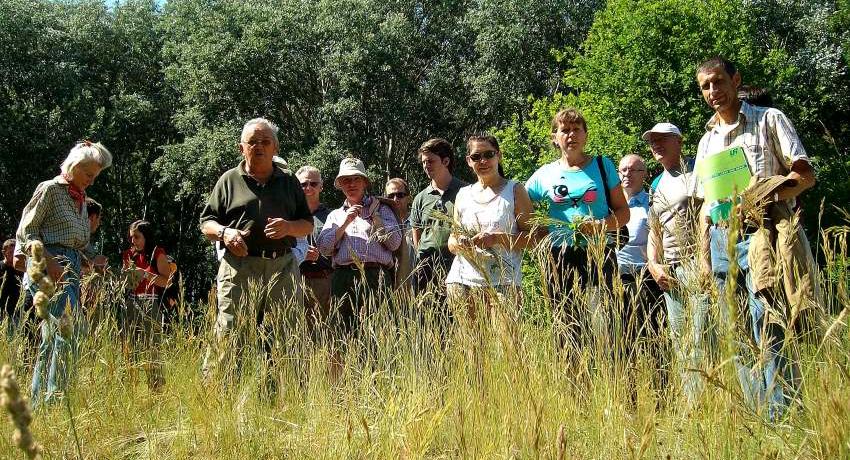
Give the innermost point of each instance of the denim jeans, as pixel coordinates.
(690, 329)
(772, 381)
(54, 351)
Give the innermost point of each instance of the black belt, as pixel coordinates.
(269, 253)
(321, 273)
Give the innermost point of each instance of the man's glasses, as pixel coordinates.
(310, 183)
(488, 155)
(396, 195)
(627, 171)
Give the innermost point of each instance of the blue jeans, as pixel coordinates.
(690, 329)
(54, 352)
(773, 380)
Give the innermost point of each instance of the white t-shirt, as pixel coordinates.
(500, 265)
(672, 205)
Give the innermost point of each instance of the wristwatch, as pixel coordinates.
(221, 233)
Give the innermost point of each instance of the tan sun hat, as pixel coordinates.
(351, 167)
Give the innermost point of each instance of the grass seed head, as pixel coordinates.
(19, 413)
(40, 300)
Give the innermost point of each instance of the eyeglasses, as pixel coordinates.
(488, 155)
(397, 195)
(627, 171)
(310, 183)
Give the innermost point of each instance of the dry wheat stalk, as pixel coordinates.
(19, 413)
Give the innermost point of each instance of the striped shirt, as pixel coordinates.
(53, 218)
(359, 239)
(767, 136)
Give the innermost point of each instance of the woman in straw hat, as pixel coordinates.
(360, 238)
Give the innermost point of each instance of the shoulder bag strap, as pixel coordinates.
(602, 173)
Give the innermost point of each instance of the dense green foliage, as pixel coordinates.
(167, 87)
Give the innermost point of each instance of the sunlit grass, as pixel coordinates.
(413, 388)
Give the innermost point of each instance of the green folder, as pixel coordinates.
(724, 175)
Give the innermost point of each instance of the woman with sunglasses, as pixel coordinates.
(579, 210)
(492, 227)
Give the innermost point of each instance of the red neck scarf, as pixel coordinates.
(77, 194)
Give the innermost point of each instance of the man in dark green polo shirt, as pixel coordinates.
(430, 235)
(256, 211)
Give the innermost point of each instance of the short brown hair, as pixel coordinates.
(568, 115)
(718, 62)
(440, 147)
(7, 243)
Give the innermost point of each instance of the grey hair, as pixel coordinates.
(399, 181)
(309, 170)
(85, 152)
(261, 122)
(632, 155)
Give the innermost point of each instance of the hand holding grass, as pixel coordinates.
(234, 241)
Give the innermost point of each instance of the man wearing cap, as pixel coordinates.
(772, 148)
(360, 238)
(255, 212)
(671, 255)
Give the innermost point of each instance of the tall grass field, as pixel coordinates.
(413, 386)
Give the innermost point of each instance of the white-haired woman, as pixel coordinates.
(57, 217)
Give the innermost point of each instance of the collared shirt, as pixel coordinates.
(53, 218)
(766, 135)
(360, 240)
(632, 256)
(435, 233)
(239, 201)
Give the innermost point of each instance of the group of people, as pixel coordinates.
(461, 245)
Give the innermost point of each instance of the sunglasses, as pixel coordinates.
(396, 195)
(488, 155)
(310, 183)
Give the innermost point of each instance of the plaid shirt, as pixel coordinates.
(766, 135)
(53, 218)
(358, 237)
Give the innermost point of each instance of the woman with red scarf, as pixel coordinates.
(57, 217)
(141, 320)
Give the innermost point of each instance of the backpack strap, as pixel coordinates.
(602, 173)
(654, 185)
